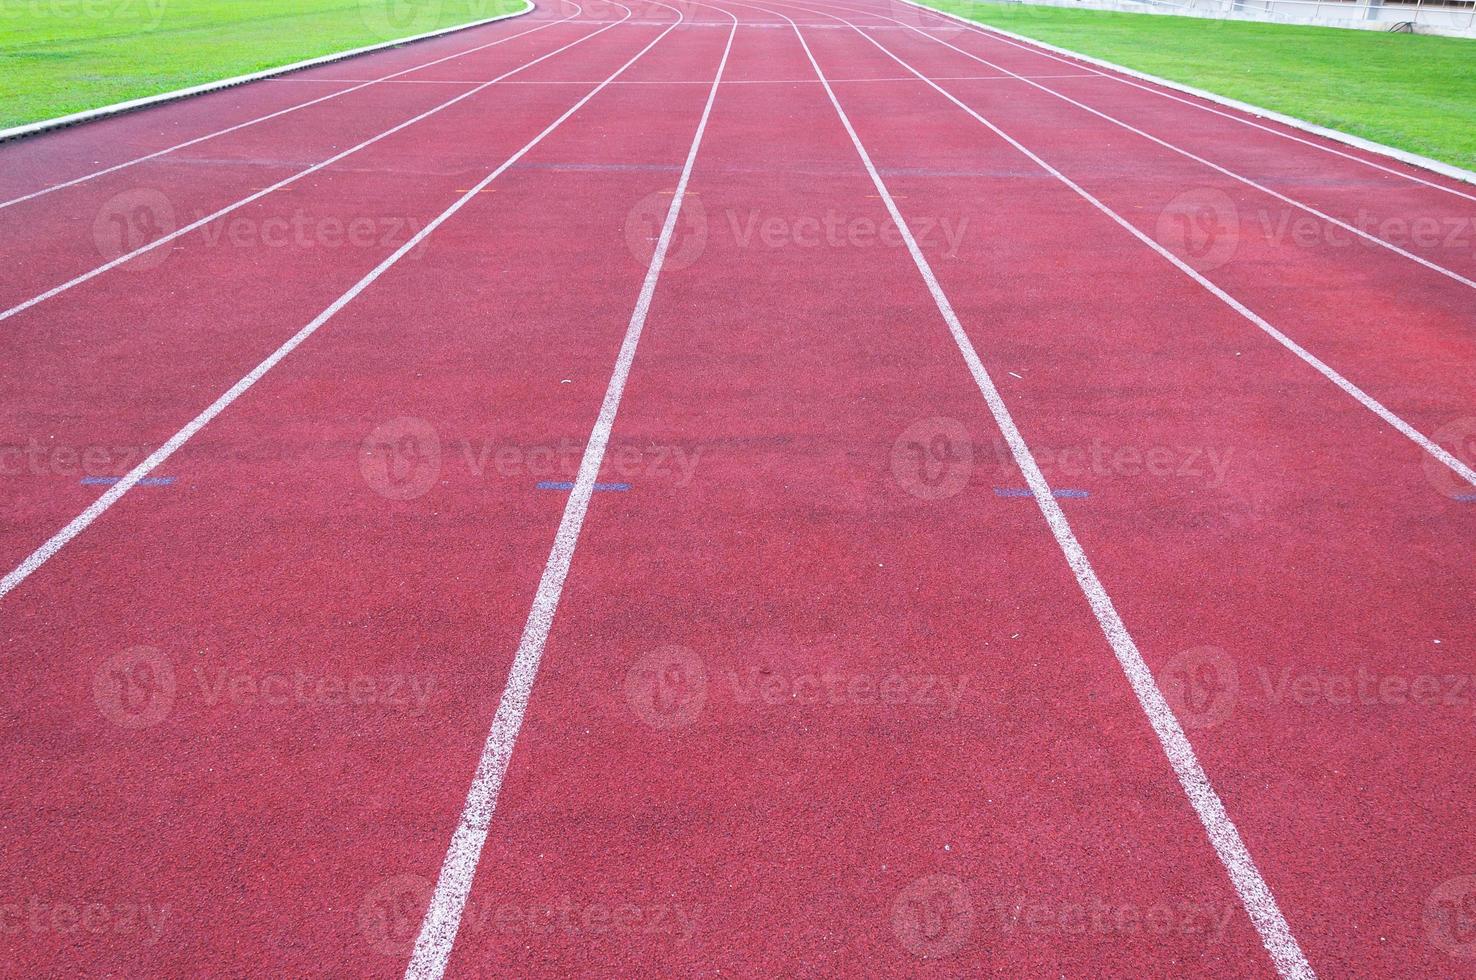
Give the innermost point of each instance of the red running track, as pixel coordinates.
(579, 531)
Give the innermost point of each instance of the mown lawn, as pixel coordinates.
(1415, 92)
(62, 56)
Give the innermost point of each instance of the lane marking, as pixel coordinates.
(569, 485)
(1358, 394)
(703, 81)
(100, 506)
(150, 101)
(1361, 233)
(1254, 893)
(443, 917)
(1164, 88)
(280, 112)
(107, 481)
(605, 168)
(1058, 493)
(179, 233)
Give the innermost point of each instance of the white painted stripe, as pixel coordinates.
(1254, 893)
(1361, 233)
(734, 81)
(1362, 397)
(282, 112)
(1158, 85)
(100, 506)
(443, 916)
(88, 115)
(179, 233)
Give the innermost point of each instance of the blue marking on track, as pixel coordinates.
(1058, 494)
(1465, 498)
(567, 485)
(107, 481)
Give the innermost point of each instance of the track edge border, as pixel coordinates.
(148, 101)
(1357, 142)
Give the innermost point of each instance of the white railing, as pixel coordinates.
(1459, 16)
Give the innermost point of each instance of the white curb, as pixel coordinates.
(1403, 156)
(16, 132)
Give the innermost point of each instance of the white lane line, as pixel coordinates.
(1361, 233)
(100, 506)
(1358, 394)
(443, 916)
(1254, 892)
(1119, 73)
(704, 82)
(162, 98)
(362, 84)
(165, 239)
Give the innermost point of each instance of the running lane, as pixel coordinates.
(816, 701)
(69, 154)
(53, 238)
(107, 371)
(1339, 295)
(232, 698)
(1259, 531)
(1422, 211)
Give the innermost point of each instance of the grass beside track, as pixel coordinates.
(64, 56)
(1415, 92)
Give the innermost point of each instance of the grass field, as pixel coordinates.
(62, 56)
(1415, 92)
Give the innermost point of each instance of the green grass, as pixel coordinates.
(63, 56)
(1415, 92)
